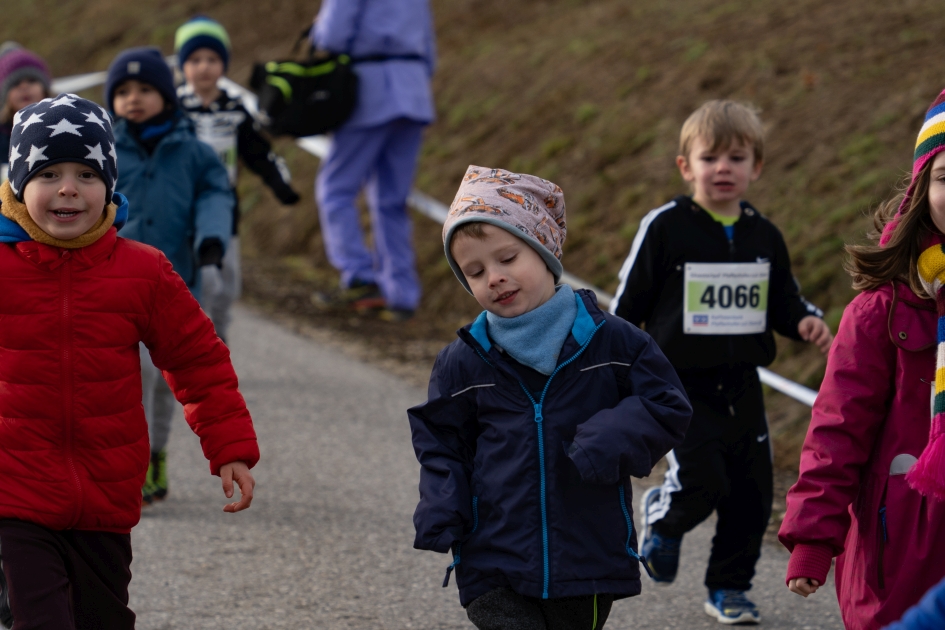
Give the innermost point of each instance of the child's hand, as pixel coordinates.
(803, 586)
(816, 331)
(238, 472)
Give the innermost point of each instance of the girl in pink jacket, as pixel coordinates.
(871, 490)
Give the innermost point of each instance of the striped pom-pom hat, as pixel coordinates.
(931, 142)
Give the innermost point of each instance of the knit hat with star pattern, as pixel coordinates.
(62, 129)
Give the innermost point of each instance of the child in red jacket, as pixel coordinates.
(872, 477)
(77, 300)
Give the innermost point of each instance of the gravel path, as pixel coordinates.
(327, 543)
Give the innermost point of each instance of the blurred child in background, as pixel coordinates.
(181, 202)
(24, 79)
(222, 121)
(872, 473)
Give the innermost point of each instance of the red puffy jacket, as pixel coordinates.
(870, 423)
(73, 437)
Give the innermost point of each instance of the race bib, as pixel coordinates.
(725, 298)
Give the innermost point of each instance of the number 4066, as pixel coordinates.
(726, 296)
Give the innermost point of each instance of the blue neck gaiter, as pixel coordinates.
(535, 338)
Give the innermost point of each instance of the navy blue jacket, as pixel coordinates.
(531, 489)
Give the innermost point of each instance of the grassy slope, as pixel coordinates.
(591, 94)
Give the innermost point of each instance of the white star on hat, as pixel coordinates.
(34, 118)
(64, 126)
(92, 118)
(15, 155)
(111, 152)
(63, 100)
(36, 155)
(95, 153)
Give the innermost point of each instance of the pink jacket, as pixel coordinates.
(870, 423)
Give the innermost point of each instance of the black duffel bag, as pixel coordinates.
(308, 97)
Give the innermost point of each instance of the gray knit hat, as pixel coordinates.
(529, 207)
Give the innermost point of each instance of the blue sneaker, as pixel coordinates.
(731, 607)
(660, 552)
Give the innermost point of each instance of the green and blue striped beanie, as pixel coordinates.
(202, 32)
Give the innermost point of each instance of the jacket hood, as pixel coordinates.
(11, 232)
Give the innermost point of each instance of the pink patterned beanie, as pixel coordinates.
(529, 207)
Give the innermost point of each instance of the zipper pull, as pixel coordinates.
(449, 569)
(646, 567)
(538, 416)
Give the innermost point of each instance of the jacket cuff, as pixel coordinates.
(809, 561)
(246, 451)
(583, 462)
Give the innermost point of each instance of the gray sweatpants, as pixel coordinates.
(218, 306)
(158, 400)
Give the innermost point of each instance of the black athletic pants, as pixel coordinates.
(66, 580)
(504, 609)
(722, 465)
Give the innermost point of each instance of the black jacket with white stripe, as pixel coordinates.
(651, 283)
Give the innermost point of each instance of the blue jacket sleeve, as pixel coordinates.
(213, 201)
(928, 614)
(645, 425)
(336, 25)
(444, 432)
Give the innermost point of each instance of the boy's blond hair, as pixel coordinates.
(722, 123)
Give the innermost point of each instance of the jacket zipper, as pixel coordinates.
(539, 422)
(68, 379)
(457, 557)
(626, 515)
(539, 418)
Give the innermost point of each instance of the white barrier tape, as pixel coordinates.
(429, 207)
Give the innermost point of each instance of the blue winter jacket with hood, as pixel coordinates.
(179, 195)
(531, 489)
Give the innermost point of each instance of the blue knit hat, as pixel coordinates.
(62, 129)
(145, 64)
(202, 32)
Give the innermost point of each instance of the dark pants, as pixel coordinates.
(66, 580)
(723, 465)
(504, 609)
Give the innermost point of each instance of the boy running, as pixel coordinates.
(77, 302)
(537, 417)
(711, 278)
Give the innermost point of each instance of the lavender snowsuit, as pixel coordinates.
(378, 145)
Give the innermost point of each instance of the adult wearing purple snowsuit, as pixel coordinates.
(378, 145)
